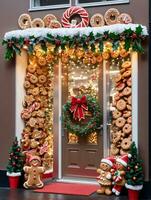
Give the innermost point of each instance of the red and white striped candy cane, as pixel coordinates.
(72, 11)
(32, 107)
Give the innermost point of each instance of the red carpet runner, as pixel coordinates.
(69, 188)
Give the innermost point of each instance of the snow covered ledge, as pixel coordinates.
(42, 32)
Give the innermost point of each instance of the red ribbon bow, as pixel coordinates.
(78, 106)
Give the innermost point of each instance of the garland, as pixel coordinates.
(132, 38)
(81, 128)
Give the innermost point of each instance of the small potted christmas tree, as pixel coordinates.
(15, 164)
(134, 174)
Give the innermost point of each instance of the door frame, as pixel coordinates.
(21, 64)
(134, 60)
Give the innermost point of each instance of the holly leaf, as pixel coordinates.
(115, 44)
(137, 46)
(113, 36)
(138, 30)
(128, 31)
(101, 46)
(16, 49)
(21, 41)
(30, 49)
(93, 47)
(4, 42)
(9, 54)
(43, 46)
(127, 44)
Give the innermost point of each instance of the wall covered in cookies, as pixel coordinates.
(7, 72)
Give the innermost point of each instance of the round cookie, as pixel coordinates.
(33, 79)
(116, 114)
(120, 86)
(127, 74)
(111, 16)
(42, 61)
(48, 18)
(115, 54)
(27, 84)
(121, 104)
(37, 23)
(127, 129)
(127, 113)
(124, 18)
(24, 21)
(129, 120)
(127, 91)
(97, 20)
(42, 79)
(120, 122)
(123, 53)
(35, 91)
(31, 68)
(126, 143)
(126, 64)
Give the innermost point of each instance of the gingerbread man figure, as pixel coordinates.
(34, 172)
(119, 174)
(105, 177)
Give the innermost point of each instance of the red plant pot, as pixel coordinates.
(133, 194)
(13, 182)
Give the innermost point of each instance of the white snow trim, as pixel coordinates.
(136, 187)
(42, 32)
(13, 174)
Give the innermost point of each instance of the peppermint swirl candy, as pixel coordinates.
(75, 10)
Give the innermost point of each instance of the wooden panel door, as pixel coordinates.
(82, 158)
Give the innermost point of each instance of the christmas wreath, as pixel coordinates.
(75, 119)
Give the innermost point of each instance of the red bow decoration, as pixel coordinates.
(78, 106)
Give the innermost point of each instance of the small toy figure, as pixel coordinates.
(105, 178)
(34, 171)
(119, 174)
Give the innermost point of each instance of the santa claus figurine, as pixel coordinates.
(119, 174)
(105, 177)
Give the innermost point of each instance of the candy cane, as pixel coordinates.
(72, 11)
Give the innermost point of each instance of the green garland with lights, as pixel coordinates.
(133, 39)
(83, 128)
